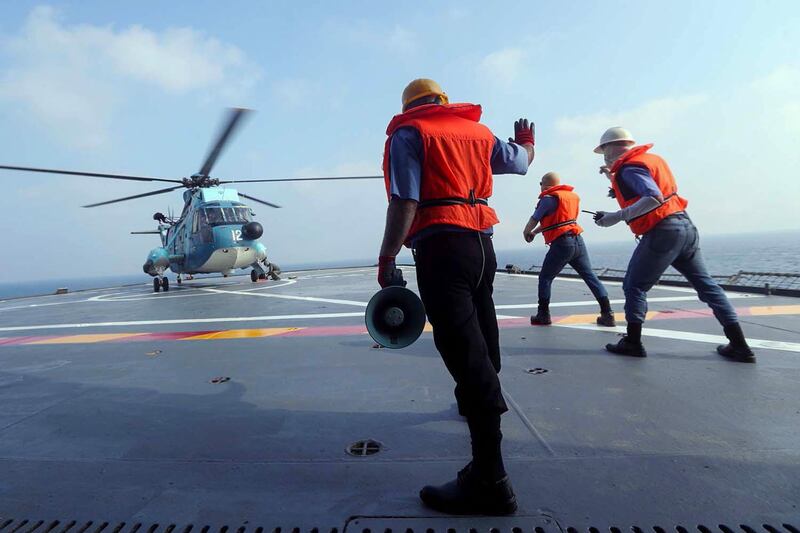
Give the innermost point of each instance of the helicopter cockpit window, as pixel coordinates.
(236, 215)
(215, 216)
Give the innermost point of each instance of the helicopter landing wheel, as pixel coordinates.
(165, 284)
(156, 285)
(254, 276)
(179, 280)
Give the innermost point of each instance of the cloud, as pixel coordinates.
(72, 78)
(396, 40)
(502, 67)
(293, 92)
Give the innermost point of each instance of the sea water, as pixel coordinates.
(724, 255)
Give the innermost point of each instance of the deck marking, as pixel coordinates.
(689, 336)
(182, 321)
(290, 297)
(526, 422)
(622, 301)
(614, 283)
(88, 338)
(505, 320)
(195, 291)
(769, 310)
(240, 334)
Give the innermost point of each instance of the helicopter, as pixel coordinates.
(215, 232)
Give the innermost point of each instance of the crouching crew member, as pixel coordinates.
(556, 217)
(649, 203)
(438, 165)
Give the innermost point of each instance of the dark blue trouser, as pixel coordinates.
(673, 241)
(569, 250)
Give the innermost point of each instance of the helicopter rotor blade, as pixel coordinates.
(234, 116)
(259, 201)
(89, 174)
(152, 193)
(306, 179)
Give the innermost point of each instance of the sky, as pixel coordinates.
(141, 88)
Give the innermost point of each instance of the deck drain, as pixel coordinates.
(153, 353)
(219, 379)
(536, 371)
(362, 448)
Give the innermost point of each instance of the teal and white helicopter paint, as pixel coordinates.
(215, 232)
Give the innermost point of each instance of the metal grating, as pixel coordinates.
(10, 525)
(484, 525)
(438, 524)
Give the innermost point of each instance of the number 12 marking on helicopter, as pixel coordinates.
(236, 234)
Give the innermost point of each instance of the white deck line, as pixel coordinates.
(290, 297)
(616, 283)
(180, 321)
(689, 336)
(622, 301)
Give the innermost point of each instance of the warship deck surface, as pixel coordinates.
(110, 412)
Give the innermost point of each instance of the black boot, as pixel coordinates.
(606, 317)
(469, 494)
(737, 349)
(630, 344)
(482, 487)
(542, 317)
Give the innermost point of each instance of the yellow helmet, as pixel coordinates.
(422, 87)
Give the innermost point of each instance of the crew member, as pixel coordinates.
(438, 165)
(649, 203)
(556, 217)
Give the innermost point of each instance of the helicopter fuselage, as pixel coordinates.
(215, 233)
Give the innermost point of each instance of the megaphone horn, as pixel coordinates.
(395, 317)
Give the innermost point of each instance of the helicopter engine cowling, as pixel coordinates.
(252, 231)
(157, 262)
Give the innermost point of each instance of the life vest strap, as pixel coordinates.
(659, 205)
(454, 200)
(560, 224)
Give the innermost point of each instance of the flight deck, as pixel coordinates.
(227, 403)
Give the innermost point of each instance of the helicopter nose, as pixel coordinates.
(252, 230)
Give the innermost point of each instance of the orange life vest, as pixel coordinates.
(564, 218)
(662, 175)
(456, 166)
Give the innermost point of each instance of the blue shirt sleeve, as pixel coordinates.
(545, 207)
(636, 181)
(509, 158)
(405, 161)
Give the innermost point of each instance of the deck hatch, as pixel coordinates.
(362, 448)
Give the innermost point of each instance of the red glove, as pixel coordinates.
(388, 273)
(524, 132)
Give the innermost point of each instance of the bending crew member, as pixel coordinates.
(649, 203)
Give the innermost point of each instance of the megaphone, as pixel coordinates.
(395, 317)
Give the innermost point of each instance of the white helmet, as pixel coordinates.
(614, 134)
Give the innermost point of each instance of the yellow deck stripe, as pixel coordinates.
(592, 318)
(775, 310)
(88, 338)
(577, 319)
(240, 334)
